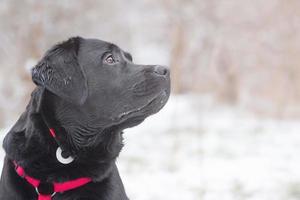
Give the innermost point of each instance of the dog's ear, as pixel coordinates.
(60, 73)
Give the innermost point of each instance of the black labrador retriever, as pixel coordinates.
(64, 146)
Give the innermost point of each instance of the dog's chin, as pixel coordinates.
(136, 116)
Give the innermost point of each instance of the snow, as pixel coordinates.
(196, 149)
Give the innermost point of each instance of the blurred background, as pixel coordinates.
(231, 128)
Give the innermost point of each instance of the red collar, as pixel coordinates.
(46, 191)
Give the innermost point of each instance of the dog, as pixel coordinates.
(65, 144)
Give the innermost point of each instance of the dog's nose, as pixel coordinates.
(161, 70)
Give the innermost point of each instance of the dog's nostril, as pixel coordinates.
(161, 70)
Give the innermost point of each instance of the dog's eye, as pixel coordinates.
(110, 59)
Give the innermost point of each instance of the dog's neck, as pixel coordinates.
(30, 143)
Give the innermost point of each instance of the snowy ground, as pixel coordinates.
(196, 150)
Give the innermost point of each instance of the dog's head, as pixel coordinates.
(95, 85)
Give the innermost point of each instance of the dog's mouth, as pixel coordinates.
(151, 107)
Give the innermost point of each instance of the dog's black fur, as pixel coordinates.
(89, 91)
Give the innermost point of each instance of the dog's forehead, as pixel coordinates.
(98, 45)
